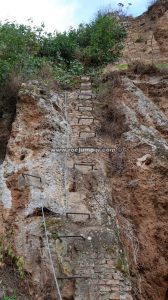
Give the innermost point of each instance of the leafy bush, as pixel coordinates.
(105, 39)
(67, 77)
(58, 46)
(31, 52)
(92, 44)
(18, 48)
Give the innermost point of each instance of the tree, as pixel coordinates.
(18, 43)
(106, 36)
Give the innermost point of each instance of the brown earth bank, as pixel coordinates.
(134, 117)
(147, 35)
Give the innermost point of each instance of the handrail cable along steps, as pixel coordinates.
(50, 256)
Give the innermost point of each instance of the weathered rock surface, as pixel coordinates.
(147, 35)
(31, 177)
(139, 179)
(85, 247)
(161, 33)
(105, 212)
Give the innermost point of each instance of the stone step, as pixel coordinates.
(87, 134)
(86, 86)
(85, 92)
(85, 120)
(87, 102)
(83, 290)
(84, 168)
(85, 97)
(85, 78)
(76, 196)
(77, 216)
(75, 114)
(85, 108)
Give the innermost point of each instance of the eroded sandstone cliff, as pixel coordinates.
(147, 35)
(59, 229)
(139, 174)
(112, 244)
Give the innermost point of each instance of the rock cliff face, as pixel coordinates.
(161, 34)
(139, 176)
(105, 212)
(70, 192)
(147, 35)
(88, 222)
(38, 128)
(7, 113)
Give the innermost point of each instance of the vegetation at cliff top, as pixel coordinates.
(28, 51)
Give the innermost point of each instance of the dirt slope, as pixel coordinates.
(138, 172)
(147, 35)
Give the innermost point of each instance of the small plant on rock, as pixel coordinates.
(9, 298)
(8, 255)
(120, 266)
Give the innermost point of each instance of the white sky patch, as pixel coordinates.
(61, 14)
(56, 14)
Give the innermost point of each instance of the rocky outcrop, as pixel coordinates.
(38, 129)
(161, 33)
(64, 236)
(157, 9)
(147, 35)
(8, 99)
(139, 178)
(90, 222)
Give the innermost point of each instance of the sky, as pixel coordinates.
(61, 14)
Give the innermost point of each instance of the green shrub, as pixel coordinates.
(121, 267)
(18, 48)
(76, 68)
(58, 46)
(9, 298)
(30, 52)
(92, 44)
(106, 39)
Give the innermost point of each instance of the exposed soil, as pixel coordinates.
(140, 191)
(147, 35)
